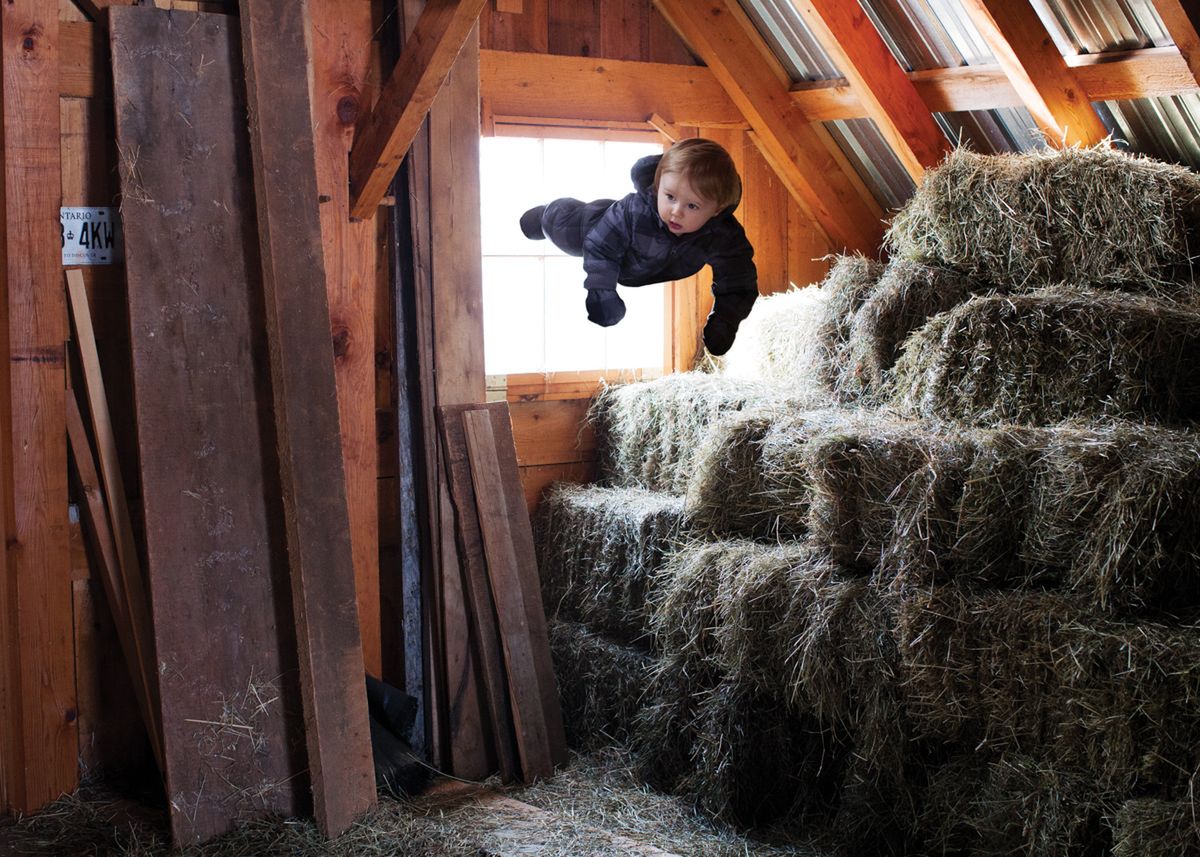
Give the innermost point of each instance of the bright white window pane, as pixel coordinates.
(510, 183)
(572, 342)
(637, 342)
(534, 314)
(513, 317)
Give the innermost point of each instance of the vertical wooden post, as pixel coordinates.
(38, 747)
(341, 45)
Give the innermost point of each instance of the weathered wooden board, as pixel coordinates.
(478, 588)
(342, 87)
(529, 719)
(38, 743)
(275, 43)
(520, 536)
(214, 538)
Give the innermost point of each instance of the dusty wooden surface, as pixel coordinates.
(214, 542)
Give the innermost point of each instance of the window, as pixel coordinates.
(534, 318)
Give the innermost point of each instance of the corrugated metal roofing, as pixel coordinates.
(926, 34)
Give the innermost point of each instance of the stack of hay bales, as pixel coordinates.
(923, 564)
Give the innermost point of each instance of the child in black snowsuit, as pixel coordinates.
(679, 219)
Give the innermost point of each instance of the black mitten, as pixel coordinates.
(719, 334)
(604, 307)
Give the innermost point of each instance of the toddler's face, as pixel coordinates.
(680, 207)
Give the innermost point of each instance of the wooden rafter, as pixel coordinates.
(1047, 85)
(424, 63)
(542, 85)
(1182, 20)
(719, 33)
(883, 88)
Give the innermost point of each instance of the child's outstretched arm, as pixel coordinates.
(735, 289)
(603, 249)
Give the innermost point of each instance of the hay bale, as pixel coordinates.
(1114, 511)
(752, 478)
(598, 548)
(778, 343)
(798, 339)
(1089, 216)
(1052, 355)
(985, 805)
(907, 295)
(1034, 673)
(1168, 828)
(647, 432)
(752, 759)
(600, 684)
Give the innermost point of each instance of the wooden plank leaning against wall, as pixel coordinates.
(38, 743)
(553, 442)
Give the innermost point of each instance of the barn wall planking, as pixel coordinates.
(611, 29)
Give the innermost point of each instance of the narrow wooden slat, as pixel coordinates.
(427, 58)
(529, 31)
(1182, 20)
(100, 535)
(512, 7)
(720, 33)
(1048, 88)
(529, 719)
(342, 62)
(308, 437)
(129, 566)
(890, 99)
(478, 588)
(522, 540)
(231, 708)
(38, 744)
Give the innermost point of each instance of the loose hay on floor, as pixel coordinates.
(1088, 216)
(597, 550)
(594, 807)
(1053, 355)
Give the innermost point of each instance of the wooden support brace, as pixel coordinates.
(428, 55)
(308, 439)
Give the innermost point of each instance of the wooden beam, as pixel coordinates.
(542, 87)
(342, 65)
(1182, 20)
(720, 33)
(38, 737)
(427, 58)
(883, 87)
(337, 733)
(528, 84)
(1059, 103)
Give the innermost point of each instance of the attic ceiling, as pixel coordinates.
(941, 34)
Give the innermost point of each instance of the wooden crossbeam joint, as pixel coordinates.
(426, 60)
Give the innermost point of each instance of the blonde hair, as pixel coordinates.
(707, 166)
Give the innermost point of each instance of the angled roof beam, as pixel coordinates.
(387, 133)
(883, 87)
(1047, 85)
(719, 33)
(1182, 20)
